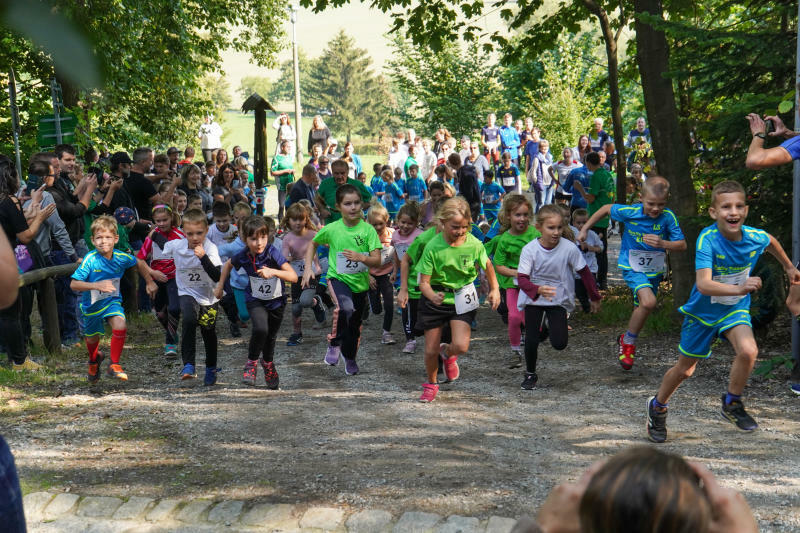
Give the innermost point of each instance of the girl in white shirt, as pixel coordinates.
(285, 133)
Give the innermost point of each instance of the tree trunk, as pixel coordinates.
(669, 144)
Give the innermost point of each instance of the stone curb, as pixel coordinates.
(53, 512)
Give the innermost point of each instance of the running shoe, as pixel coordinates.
(332, 355)
(626, 353)
(411, 347)
(188, 372)
(387, 338)
(235, 331)
(29, 365)
(270, 375)
(515, 359)
(350, 367)
(170, 350)
(795, 388)
(250, 371)
(429, 391)
(450, 363)
(657, 421)
(295, 339)
(734, 412)
(115, 371)
(94, 368)
(319, 311)
(211, 376)
(529, 383)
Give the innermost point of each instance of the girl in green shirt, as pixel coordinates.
(354, 248)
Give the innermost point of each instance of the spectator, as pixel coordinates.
(172, 155)
(410, 160)
(40, 174)
(509, 138)
(583, 147)
(304, 187)
(191, 183)
(563, 168)
(427, 160)
(465, 149)
(188, 157)
(221, 157)
(468, 186)
(141, 190)
(531, 150)
(611, 156)
(282, 170)
(601, 191)
(640, 131)
(286, 132)
(758, 157)
(210, 136)
(316, 153)
(325, 199)
(598, 137)
(318, 134)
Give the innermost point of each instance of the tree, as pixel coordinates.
(283, 87)
(218, 90)
(260, 85)
(343, 85)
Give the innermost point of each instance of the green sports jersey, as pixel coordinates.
(602, 186)
(282, 162)
(452, 267)
(414, 254)
(507, 252)
(360, 238)
(327, 189)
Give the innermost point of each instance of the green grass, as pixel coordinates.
(617, 306)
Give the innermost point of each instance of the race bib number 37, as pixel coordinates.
(346, 266)
(647, 261)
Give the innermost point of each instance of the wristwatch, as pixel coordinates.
(760, 134)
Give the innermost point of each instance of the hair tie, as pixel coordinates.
(165, 206)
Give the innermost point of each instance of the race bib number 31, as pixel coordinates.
(346, 266)
(647, 261)
(466, 299)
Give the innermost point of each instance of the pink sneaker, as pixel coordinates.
(429, 391)
(450, 363)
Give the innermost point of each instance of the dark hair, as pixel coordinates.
(339, 163)
(39, 167)
(221, 209)
(9, 180)
(89, 155)
(188, 152)
(376, 168)
(219, 180)
(411, 209)
(254, 225)
(726, 187)
(193, 197)
(161, 158)
(61, 149)
(344, 190)
(593, 158)
(455, 160)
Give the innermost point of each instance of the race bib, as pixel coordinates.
(400, 250)
(265, 289)
(515, 281)
(466, 299)
(647, 261)
(730, 279)
(96, 295)
(414, 198)
(299, 267)
(509, 182)
(490, 199)
(346, 266)
(386, 255)
(157, 253)
(193, 278)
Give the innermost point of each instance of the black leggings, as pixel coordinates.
(265, 323)
(385, 291)
(11, 326)
(602, 257)
(557, 320)
(195, 315)
(168, 308)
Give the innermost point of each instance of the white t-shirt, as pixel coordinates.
(190, 276)
(592, 239)
(555, 268)
(210, 136)
(220, 237)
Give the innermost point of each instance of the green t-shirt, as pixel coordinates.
(452, 267)
(409, 161)
(507, 252)
(360, 238)
(282, 162)
(123, 245)
(327, 189)
(414, 253)
(601, 185)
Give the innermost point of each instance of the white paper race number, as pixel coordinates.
(730, 279)
(346, 266)
(193, 278)
(299, 267)
(400, 250)
(97, 295)
(466, 299)
(265, 289)
(386, 255)
(647, 261)
(509, 182)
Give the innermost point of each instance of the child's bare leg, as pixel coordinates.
(682, 370)
(432, 339)
(461, 332)
(744, 344)
(647, 303)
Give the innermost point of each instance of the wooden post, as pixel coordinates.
(258, 105)
(48, 311)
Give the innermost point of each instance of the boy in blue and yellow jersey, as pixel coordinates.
(719, 305)
(650, 230)
(98, 278)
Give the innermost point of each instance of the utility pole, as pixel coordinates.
(12, 100)
(298, 125)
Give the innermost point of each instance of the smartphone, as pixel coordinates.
(770, 126)
(235, 184)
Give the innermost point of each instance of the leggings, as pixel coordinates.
(347, 317)
(602, 258)
(228, 304)
(168, 309)
(281, 201)
(204, 316)
(385, 291)
(322, 292)
(534, 318)
(409, 318)
(11, 326)
(241, 304)
(516, 318)
(265, 323)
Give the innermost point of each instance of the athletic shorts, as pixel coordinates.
(638, 280)
(697, 336)
(95, 323)
(432, 316)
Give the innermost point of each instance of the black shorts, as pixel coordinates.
(432, 316)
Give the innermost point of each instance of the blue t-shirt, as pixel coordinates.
(508, 177)
(271, 257)
(510, 139)
(415, 189)
(530, 151)
(638, 224)
(490, 197)
(490, 134)
(95, 267)
(378, 185)
(239, 279)
(635, 134)
(792, 146)
(394, 197)
(724, 258)
(494, 230)
(581, 175)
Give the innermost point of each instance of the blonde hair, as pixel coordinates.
(387, 174)
(105, 223)
(553, 210)
(241, 207)
(511, 203)
(297, 211)
(377, 210)
(195, 216)
(453, 207)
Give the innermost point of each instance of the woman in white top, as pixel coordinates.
(285, 133)
(561, 170)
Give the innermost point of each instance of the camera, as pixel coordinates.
(770, 126)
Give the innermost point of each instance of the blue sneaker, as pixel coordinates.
(295, 339)
(211, 376)
(188, 372)
(350, 367)
(796, 388)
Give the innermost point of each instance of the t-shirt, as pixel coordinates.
(157, 259)
(427, 164)
(597, 139)
(508, 177)
(409, 161)
(283, 162)
(12, 219)
(219, 237)
(581, 175)
(294, 248)
(271, 293)
(96, 267)
(361, 238)
(190, 276)
(792, 146)
(394, 198)
(481, 166)
(530, 151)
(730, 262)
(378, 186)
(238, 278)
(601, 185)
(415, 188)
(635, 134)
(414, 255)
(490, 134)
(592, 239)
(140, 190)
(555, 268)
(510, 140)
(401, 243)
(387, 253)
(507, 249)
(490, 196)
(452, 267)
(327, 189)
(637, 225)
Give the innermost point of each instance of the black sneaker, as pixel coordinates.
(736, 415)
(235, 331)
(295, 339)
(656, 422)
(529, 383)
(319, 311)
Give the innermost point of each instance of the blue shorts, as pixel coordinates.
(697, 336)
(95, 323)
(638, 280)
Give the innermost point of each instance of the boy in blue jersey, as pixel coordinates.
(491, 196)
(416, 190)
(377, 185)
(719, 305)
(394, 195)
(650, 230)
(98, 278)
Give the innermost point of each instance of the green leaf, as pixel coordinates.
(785, 106)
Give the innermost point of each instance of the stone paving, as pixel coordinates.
(48, 512)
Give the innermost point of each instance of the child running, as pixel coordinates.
(354, 247)
(165, 304)
(408, 295)
(267, 270)
(393, 194)
(447, 273)
(546, 281)
(98, 278)
(590, 248)
(299, 232)
(408, 230)
(381, 278)
(719, 305)
(516, 232)
(650, 230)
(491, 196)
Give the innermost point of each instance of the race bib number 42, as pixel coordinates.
(347, 266)
(647, 261)
(265, 289)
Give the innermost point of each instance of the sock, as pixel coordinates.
(658, 404)
(92, 344)
(117, 342)
(515, 348)
(730, 398)
(629, 338)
